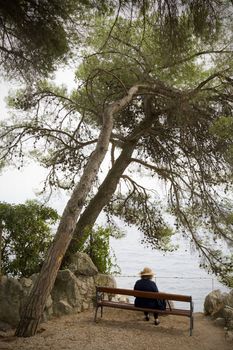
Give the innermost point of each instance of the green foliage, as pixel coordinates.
(223, 267)
(228, 281)
(26, 100)
(98, 248)
(36, 35)
(145, 213)
(26, 236)
(222, 129)
(129, 57)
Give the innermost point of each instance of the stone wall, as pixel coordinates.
(219, 306)
(74, 291)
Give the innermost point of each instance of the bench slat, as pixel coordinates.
(151, 295)
(127, 306)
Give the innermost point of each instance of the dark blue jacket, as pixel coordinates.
(146, 285)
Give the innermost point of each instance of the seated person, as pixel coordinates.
(147, 285)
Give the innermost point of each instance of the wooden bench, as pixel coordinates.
(102, 302)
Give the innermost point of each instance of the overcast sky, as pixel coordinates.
(16, 186)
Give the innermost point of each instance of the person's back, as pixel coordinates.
(146, 284)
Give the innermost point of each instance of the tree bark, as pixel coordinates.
(97, 203)
(34, 307)
(0, 250)
(106, 190)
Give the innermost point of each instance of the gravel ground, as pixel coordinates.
(121, 330)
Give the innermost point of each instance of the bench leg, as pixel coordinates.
(101, 311)
(191, 325)
(96, 310)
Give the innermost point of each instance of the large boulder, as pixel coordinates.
(74, 294)
(63, 308)
(228, 298)
(11, 294)
(228, 316)
(66, 293)
(81, 264)
(214, 303)
(26, 283)
(105, 280)
(220, 306)
(87, 291)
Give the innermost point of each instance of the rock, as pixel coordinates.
(81, 264)
(214, 303)
(48, 311)
(220, 321)
(87, 288)
(218, 305)
(4, 327)
(85, 306)
(229, 336)
(63, 308)
(49, 302)
(26, 282)
(230, 324)
(11, 293)
(228, 315)
(76, 292)
(66, 289)
(230, 299)
(34, 277)
(105, 280)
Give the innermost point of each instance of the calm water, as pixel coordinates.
(176, 272)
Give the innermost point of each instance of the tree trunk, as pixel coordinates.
(0, 249)
(97, 203)
(106, 190)
(34, 307)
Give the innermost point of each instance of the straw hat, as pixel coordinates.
(147, 272)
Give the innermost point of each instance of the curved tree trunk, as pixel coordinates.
(106, 190)
(34, 307)
(102, 197)
(1, 249)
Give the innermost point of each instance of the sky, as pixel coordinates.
(16, 186)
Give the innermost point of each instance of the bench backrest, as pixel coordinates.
(150, 295)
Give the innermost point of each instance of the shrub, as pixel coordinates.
(26, 236)
(98, 248)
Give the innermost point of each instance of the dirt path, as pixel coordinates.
(121, 330)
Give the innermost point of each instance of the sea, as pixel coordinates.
(176, 272)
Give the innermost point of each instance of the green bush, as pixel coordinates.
(26, 236)
(98, 248)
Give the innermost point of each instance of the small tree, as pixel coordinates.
(98, 248)
(26, 235)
